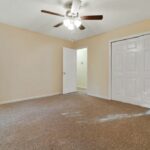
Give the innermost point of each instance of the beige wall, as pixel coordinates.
(98, 55)
(30, 64)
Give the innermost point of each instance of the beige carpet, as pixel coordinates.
(73, 122)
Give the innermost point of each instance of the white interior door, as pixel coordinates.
(69, 70)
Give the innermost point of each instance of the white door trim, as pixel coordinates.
(110, 58)
(87, 64)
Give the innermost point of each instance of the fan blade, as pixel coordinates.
(52, 13)
(58, 25)
(96, 17)
(75, 6)
(82, 27)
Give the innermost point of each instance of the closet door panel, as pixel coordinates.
(126, 64)
(118, 70)
(132, 70)
(146, 69)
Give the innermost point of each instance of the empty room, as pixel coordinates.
(74, 75)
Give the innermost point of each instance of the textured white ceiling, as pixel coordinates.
(26, 14)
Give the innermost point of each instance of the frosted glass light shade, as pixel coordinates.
(77, 23)
(67, 22)
(71, 26)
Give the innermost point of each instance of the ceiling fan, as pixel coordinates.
(72, 19)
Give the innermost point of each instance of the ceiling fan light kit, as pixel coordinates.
(71, 23)
(72, 19)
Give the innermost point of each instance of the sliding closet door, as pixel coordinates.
(126, 71)
(118, 49)
(146, 69)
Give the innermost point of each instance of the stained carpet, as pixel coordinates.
(73, 122)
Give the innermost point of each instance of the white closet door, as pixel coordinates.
(146, 69)
(132, 71)
(118, 49)
(126, 71)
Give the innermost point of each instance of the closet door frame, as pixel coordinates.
(110, 58)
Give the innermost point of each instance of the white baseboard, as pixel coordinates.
(28, 98)
(98, 96)
(136, 103)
